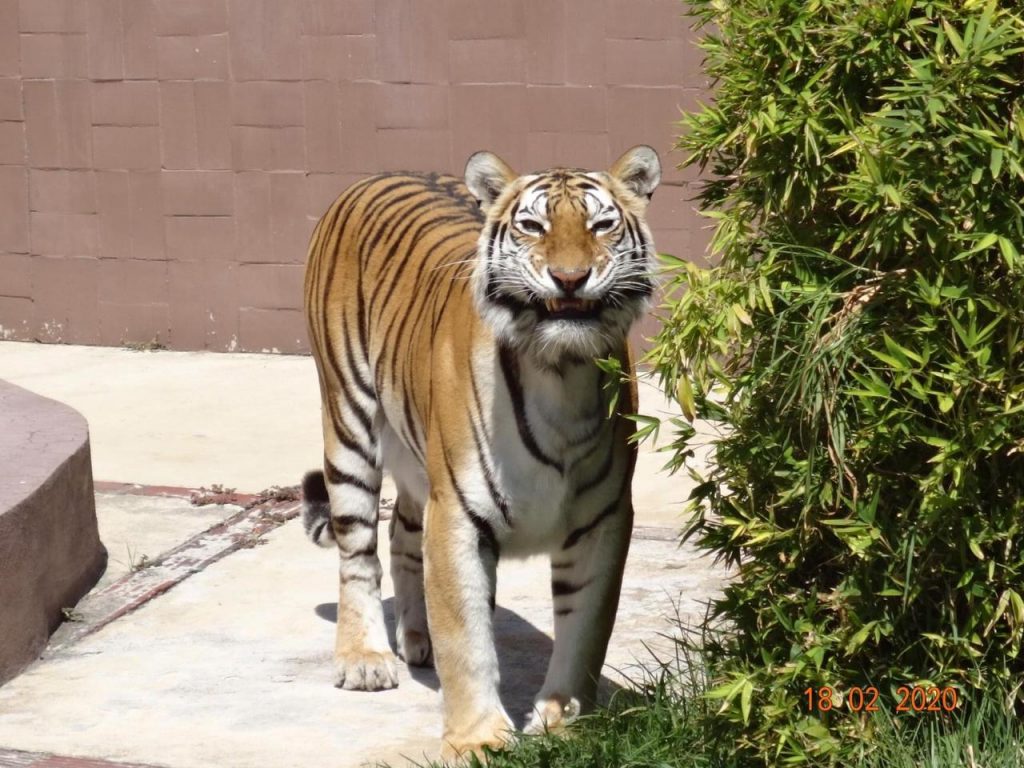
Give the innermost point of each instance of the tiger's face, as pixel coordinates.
(565, 260)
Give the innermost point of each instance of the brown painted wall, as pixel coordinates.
(162, 162)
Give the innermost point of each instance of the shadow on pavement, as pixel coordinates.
(523, 653)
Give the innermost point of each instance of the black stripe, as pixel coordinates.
(367, 236)
(560, 566)
(318, 529)
(406, 316)
(594, 431)
(347, 577)
(347, 441)
(423, 217)
(344, 523)
(379, 373)
(479, 406)
(438, 268)
(563, 611)
(560, 588)
(510, 369)
(456, 189)
(431, 220)
(361, 319)
(390, 332)
(411, 426)
(360, 413)
(440, 306)
(373, 222)
(506, 301)
(492, 233)
(499, 500)
(601, 474)
(382, 206)
(345, 206)
(634, 237)
(341, 219)
(369, 550)
(315, 268)
(410, 525)
(590, 452)
(415, 558)
(336, 477)
(574, 537)
(361, 383)
(484, 530)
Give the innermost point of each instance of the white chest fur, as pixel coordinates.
(541, 445)
(547, 428)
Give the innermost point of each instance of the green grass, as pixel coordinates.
(661, 721)
(989, 737)
(665, 721)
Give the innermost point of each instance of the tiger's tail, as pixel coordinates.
(316, 509)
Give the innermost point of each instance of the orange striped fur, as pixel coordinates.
(455, 327)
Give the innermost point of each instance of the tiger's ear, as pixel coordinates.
(639, 169)
(486, 176)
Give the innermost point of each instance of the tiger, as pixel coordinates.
(457, 327)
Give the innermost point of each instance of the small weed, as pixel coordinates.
(270, 517)
(137, 562)
(70, 614)
(251, 540)
(144, 346)
(215, 494)
(275, 493)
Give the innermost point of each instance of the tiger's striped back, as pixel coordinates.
(385, 240)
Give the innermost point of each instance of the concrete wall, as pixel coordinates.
(50, 550)
(162, 162)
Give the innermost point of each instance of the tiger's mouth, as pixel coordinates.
(569, 309)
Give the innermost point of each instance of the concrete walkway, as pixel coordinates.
(210, 646)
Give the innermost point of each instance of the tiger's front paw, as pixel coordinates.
(552, 714)
(494, 732)
(365, 671)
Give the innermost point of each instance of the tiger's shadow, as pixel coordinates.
(523, 653)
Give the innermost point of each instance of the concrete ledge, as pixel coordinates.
(50, 550)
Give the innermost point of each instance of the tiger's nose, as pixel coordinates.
(569, 280)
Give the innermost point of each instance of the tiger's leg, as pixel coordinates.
(406, 533)
(362, 654)
(586, 576)
(461, 558)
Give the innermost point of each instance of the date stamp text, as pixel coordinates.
(909, 698)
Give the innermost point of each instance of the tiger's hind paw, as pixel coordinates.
(414, 648)
(552, 715)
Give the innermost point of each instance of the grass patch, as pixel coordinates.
(988, 736)
(662, 720)
(665, 720)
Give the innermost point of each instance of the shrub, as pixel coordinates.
(861, 346)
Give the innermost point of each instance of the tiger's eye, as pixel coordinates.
(531, 227)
